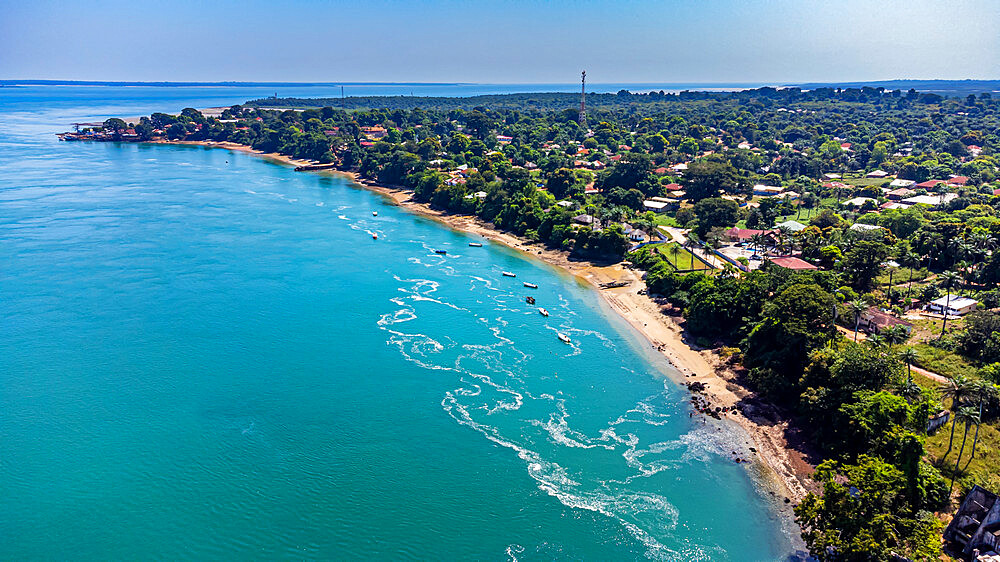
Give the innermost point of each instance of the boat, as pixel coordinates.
(543, 312)
(374, 213)
(564, 338)
(530, 285)
(529, 300)
(441, 252)
(374, 235)
(509, 274)
(475, 244)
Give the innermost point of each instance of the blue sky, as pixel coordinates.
(500, 41)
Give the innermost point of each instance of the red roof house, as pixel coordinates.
(789, 262)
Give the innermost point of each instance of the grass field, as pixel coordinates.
(682, 260)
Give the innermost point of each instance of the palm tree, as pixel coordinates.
(949, 278)
(910, 391)
(910, 260)
(909, 356)
(982, 390)
(756, 242)
(968, 416)
(857, 307)
(958, 389)
(875, 340)
(895, 335)
(674, 250)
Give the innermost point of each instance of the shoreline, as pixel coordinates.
(782, 470)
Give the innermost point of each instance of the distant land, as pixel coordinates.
(941, 87)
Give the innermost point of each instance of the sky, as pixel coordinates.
(500, 41)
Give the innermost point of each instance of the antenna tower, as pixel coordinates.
(583, 99)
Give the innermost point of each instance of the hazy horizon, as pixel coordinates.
(724, 41)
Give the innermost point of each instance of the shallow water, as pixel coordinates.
(205, 355)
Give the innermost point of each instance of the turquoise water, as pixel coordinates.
(205, 355)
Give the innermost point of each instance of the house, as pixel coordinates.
(637, 236)
(832, 176)
(957, 180)
(744, 146)
(857, 201)
(897, 183)
(877, 174)
(794, 226)
(874, 321)
(932, 200)
(953, 305)
(679, 167)
(565, 204)
(504, 139)
(929, 184)
(976, 524)
(660, 171)
(793, 263)
(656, 206)
(585, 220)
(673, 187)
(900, 193)
(767, 190)
(743, 234)
(374, 133)
(892, 205)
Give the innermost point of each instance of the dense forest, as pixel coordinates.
(527, 164)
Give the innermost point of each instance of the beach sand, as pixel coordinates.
(782, 468)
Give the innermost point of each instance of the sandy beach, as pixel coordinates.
(783, 469)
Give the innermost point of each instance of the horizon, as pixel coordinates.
(519, 42)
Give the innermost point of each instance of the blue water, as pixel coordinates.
(205, 355)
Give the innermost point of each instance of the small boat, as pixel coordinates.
(564, 338)
(530, 285)
(509, 274)
(475, 244)
(374, 213)
(529, 300)
(442, 252)
(543, 312)
(374, 235)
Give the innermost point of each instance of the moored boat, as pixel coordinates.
(475, 244)
(374, 213)
(442, 252)
(509, 274)
(564, 338)
(530, 285)
(543, 312)
(374, 235)
(529, 300)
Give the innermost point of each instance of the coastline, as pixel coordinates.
(782, 470)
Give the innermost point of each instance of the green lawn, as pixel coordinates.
(682, 260)
(901, 276)
(666, 220)
(981, 470)
(943, 362)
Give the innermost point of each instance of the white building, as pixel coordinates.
(954, 305)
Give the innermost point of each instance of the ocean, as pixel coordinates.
(205, 355)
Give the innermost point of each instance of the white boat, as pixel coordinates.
(530, 285)
(374, 235)
(509, 274)
(564, 338)
(475, 244)
(543, 312)
(374, 213)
